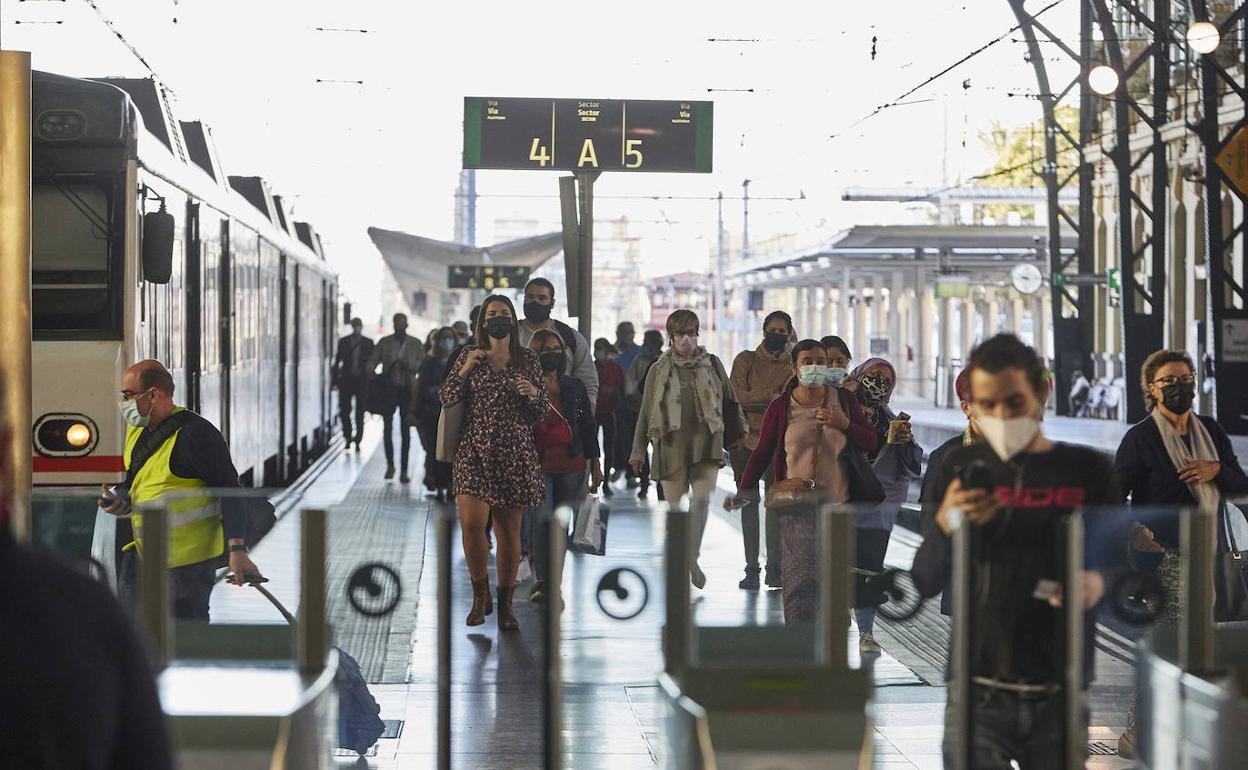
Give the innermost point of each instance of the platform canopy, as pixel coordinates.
(985, 253)
(420, 264)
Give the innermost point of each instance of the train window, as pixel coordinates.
(74, 285)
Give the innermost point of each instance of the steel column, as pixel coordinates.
(15, 240)
(1072, 306)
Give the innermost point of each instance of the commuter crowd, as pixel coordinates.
(519, 414)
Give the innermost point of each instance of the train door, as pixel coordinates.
(192, 330)
(285, 471)
(296, 297)
(225, 313)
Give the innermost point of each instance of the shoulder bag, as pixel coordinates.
(1231, 576)
(451, 425)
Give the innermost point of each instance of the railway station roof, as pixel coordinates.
(420, 264)
(986, 253)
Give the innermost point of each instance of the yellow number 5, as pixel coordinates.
(632, 155)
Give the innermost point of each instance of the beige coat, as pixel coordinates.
(758, 376)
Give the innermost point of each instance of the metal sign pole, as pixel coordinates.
(444, 534)
(15, 331)
(836, 550)
(584, 321)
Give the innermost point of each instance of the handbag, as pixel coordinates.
(734, 430)
(794, 491)
(450, 426)
(1231, 575)
(862, 484)
(548, 435)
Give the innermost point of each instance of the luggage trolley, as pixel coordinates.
(774, 696)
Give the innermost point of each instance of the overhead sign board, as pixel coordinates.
(1080, 279)
(1233, 160)
(487, 277)
(587, 134)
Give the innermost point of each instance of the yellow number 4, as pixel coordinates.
(632, 155)
(538, 152)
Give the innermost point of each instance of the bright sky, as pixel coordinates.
(790, 81)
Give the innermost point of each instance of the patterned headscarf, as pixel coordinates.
(873, 363)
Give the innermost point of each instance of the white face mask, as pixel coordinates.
(811, 375)
(1007, 437)
(130, 412)
(835, 374)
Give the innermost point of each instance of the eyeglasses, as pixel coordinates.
(1187, 379)
(126, 395)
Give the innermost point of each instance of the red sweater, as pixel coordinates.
(610, 387)
(770, 451)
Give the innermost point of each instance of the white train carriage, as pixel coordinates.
(143, 248)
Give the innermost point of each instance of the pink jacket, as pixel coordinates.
(770, 450)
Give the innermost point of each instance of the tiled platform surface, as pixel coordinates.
(609, 696)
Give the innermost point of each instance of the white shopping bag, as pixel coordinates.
(589, 535)
(524, 572)
(104, 545)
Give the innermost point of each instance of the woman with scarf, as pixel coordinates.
(897, 462)
(1176, 459)
(804, 435)
(426, 409)
(496, 469)
(682, 414)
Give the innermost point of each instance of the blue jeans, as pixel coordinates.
(1012, 726)
(561, 489)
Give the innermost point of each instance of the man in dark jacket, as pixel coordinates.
(350, 375)
(1017, 644)
(935, 477)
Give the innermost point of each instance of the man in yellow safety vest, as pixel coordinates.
(174, 453)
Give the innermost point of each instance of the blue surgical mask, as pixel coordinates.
(812, 375)
(835, 374)
(130, 412)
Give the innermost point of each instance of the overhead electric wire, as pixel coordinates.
(896, 102)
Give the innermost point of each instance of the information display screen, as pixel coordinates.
(587, 134)
(486, 277)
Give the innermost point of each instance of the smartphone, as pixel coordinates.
(902, 416)
(975, 475)
(1045, 590)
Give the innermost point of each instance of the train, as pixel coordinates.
(143, 247)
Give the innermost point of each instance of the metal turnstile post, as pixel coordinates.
(312, 630)
(960, 653)
(836, 549)
(154, 596)
(551, 684)
(445, 531)
(1075, 741)
(1198, 543)
(677, 632)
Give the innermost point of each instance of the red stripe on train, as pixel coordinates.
(88, 464)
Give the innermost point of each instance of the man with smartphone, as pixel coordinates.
(1014, 489)
(174, 453)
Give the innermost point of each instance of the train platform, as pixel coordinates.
(610, 699)
(934, 425)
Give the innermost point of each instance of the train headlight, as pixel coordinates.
(78, 435)
(65, 435)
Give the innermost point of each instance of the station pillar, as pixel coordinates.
(15, 301)
(968, 329)
(992, 315)
(842, 310)
(922, 334)
(860, 319)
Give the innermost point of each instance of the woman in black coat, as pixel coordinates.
(427, 408)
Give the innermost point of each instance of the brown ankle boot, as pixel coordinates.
(506, 620)
(482, 604)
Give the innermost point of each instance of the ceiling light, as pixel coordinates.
(1103, 79)
(1203, 37)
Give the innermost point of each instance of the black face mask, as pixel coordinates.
(536, 312)
(552, 361)
(775, 342)
(1178, 397)
(498, 327)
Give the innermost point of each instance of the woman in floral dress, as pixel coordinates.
(496, 467)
